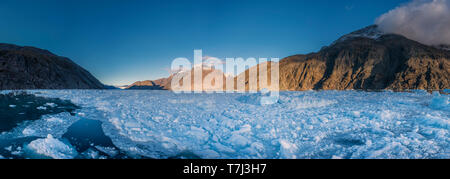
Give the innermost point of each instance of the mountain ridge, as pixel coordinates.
(24, 67)
(366, 59)
(384, 61)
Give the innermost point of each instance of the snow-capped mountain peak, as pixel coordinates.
(371, 32)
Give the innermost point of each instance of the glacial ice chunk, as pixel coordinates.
(28, 132)
(50, 105)
(54, 148)
(41, 108)
(288, 150)
(440, 102)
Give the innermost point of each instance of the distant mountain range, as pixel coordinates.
(166, 83)
(366, 59)
(159, 84)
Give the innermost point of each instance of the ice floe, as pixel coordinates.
(54, 124)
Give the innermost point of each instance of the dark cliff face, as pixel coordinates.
(368, 61)
(32, 68)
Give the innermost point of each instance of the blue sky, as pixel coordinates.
(122, 41)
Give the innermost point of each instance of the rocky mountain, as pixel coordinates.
(159, 84)
(33, 68)
(368, 59)
(209, 76)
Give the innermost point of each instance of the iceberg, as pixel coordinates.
(53, 148)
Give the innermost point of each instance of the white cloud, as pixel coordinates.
(426, 21)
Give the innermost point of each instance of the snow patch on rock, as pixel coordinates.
(370, 32)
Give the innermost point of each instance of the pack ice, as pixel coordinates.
(311, 124)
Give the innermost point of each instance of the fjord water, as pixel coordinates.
(310, 124)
